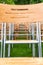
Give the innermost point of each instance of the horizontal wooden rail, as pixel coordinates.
(21, 61)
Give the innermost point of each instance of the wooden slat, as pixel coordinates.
(12, 13)
(21, 61)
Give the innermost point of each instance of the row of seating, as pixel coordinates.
(34, 35)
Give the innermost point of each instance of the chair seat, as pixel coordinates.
(20, 41)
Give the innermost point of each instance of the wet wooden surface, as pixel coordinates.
(21, 61)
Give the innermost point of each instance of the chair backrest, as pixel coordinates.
(21, 13)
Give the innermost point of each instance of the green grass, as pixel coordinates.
(42, 49)
(21, 50)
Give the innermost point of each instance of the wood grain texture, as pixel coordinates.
(21, 61)
(21, 13)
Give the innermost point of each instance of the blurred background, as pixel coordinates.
(20, 1)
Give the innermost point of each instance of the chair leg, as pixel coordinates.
(9, 50)
(1, 49)
(4, 51)
(39, 49)
(29, 44)
(33, 49)
(39, 44)
(33, 45)
(12, 39)
(12, 31)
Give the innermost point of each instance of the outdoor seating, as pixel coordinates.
(34, 40)
(19, 24)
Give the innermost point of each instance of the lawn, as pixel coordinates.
(22, 50)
